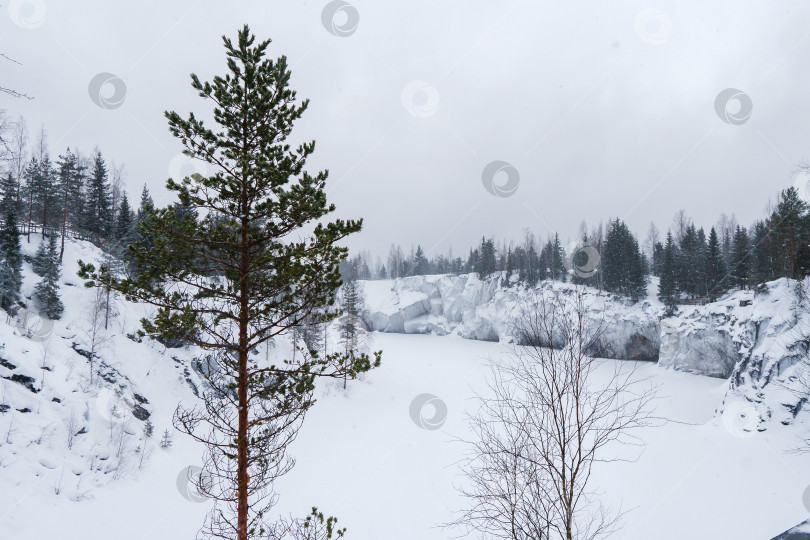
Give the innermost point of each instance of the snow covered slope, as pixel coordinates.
(63, 436)
(362, 457)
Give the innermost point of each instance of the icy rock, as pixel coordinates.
(630, 339)
(484, 310)
(478, 328)
(752, 340)
(697, 347)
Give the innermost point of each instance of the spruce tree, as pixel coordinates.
(691, 263)
(39, 262)
(510, 266)
(557, 260)
(124, 221)
(8, 192)
(47, 290)
(763, 267)
(11, 260)
(486, 262)
(534, 269)
(146, 206)
(702, 253)
(668, 283)
(716, 280)
(788, 228)
(622, 265)
(262, 234)
(740, 259)
(98, 210)
(420, 263)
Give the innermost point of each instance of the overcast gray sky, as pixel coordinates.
(604, 109)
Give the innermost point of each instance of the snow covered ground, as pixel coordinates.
(361, 456)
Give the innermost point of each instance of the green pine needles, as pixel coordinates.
(244, 257)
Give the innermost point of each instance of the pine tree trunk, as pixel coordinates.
(242, 435)
(30, 214)
(44, 214)
(64, 224)
(106, 309)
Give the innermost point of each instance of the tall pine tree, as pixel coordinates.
(262, 232)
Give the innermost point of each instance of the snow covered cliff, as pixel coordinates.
(484, 310)
(753, 340)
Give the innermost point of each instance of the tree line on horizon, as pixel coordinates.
(693, 266)
(82, 196)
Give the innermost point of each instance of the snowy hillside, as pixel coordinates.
(65, 437)
(75, 463)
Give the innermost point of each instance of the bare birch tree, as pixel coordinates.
(550, 415)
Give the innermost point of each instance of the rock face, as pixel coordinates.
(695, 346)
(752, 340)
(485, 310)
(759, 342)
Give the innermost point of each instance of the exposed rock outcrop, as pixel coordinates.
(485, 310)
(753, 340)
